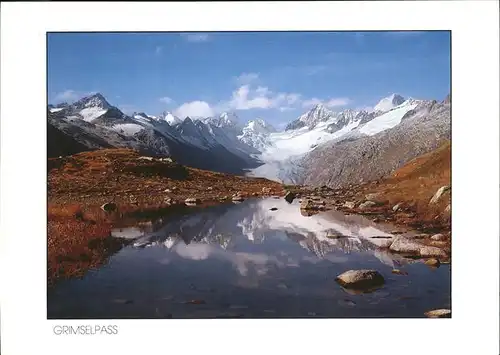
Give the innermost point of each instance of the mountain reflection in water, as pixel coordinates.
(268, 263)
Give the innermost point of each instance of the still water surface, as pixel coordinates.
(244, 260)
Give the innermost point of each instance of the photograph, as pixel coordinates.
(249, 174)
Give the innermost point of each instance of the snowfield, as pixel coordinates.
(387, 120)
(91, 113)
(128, 129)
(283, 150)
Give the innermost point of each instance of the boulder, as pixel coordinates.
(438, 313)
(289, 197)
(367, 204)
(438, 237)
(192, 201)
(306, 205)
(439, 193)
(273, 209)
(109, 207)
(405, 245)
(238, 198)
(396, 207)
(350, 204)
(360, 279)
(372, 196)
(432, 262)
(427, 251)
(171, 201)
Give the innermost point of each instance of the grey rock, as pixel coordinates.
(372, 196)
(367, 204)
(350, 204)
(428, 251)
(192, 201)
(306, 204)
(360, 279)
(289, 197)
(438, 313)
(405, 245)
(438, 237)
(437, 196)
(432, 262)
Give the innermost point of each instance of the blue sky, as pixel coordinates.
(271, 75)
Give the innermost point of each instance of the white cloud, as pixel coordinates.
(247, 78)
(194, 109)
(166, 100)
(333, 102)
(246, 98)
(196, 37)
(67, 95)
(72, 95)
(158, 50)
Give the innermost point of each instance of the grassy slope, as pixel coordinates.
(415, 184)
(78, 230)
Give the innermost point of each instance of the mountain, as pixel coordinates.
(374, 155)
(257, 134)
(169, 118)
(390, 102)
(310, 119)
(222, 143)
(92, 123)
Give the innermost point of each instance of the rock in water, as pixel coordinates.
(432, 262)
(109, 207)
(289, 197)
(438, 194)
(438, 313)
(427, 251)
(238, 198)
(405, 245)
(192, 201)
(360, 279)
(306, 204)
(273, 209)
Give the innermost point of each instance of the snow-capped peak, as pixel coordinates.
(169, 118)
(311, 118)
(95, 100)
(389, 102)
(259, 126)
(224, 120)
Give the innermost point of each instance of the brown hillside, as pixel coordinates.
(414, 184)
